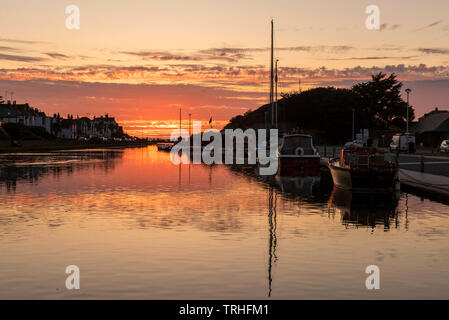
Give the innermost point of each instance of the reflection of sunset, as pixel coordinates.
(165, 229)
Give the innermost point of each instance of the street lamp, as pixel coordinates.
(408, 105)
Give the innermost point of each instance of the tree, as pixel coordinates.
(326, 112)
(381, 101)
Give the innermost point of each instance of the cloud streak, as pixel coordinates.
(5, 48)
(391, 27)
(374, 58)
(243, 76)
(23, 41)
(56, 55)
(228, 54)
(434, 50)
(431, 25)
(201, 55)
(20, 58)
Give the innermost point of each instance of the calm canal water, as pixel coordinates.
(139, 227)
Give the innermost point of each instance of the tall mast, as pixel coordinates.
(276, 92)
(180, 134)
(272, 76)
(190, 124)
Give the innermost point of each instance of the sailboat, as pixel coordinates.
(296, 154)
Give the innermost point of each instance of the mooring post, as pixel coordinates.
(333, 152)
(325, 151)
(422, 163)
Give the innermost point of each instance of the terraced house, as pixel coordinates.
(11, 112)
(103, 127)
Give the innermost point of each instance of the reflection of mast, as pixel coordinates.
(190, 144)
(272, 258)
(189, 170)
(406, 211)
(180, 138)
(210, 174)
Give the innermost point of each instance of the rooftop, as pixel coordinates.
(434, 121)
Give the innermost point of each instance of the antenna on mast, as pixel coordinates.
(272, 74)
(180, 135)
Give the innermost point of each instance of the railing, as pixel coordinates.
(329, 151)
(367, 161)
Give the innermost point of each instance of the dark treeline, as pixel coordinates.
(326, 112)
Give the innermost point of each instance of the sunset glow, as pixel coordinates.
(143, 60)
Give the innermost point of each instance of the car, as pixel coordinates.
(444, 146)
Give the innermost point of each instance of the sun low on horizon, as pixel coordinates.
(143, 61)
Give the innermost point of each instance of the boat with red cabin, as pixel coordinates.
(297, 156)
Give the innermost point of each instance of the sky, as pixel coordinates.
(142, 60)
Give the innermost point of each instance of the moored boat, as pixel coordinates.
(164, 146)
(363, 169)
(298, 156)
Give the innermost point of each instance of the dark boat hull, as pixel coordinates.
(299, 166)
(368, 180)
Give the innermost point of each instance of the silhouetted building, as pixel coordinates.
(68, 129)
(102, 127)
(84, 127)
(24, 114)
(106, 127)
(432, 128)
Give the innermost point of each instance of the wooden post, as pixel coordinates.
(397, 158)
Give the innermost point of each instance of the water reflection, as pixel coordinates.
(272, 216)
(197, 231)
(356, 209)
(365, 209)
(314, 189)
(32, 167)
